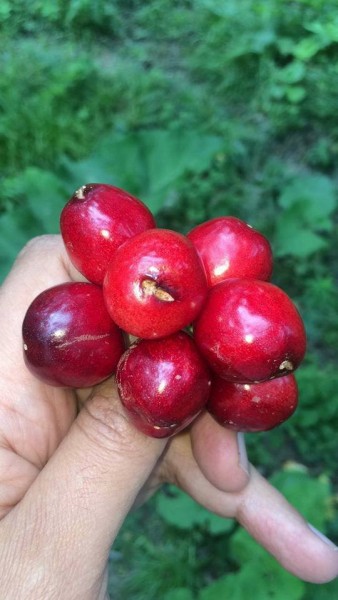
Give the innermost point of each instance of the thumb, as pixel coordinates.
(74, 509)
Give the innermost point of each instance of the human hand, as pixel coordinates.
(72, 466)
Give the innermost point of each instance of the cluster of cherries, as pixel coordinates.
(184, 322)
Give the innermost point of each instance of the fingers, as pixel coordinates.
(258, 506)
(78, 502)
(16, 475)
(277, 526)
(220, 454)
(30, 430)
(181, 468)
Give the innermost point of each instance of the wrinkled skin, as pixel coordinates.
(72, 467)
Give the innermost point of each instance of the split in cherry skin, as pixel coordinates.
(155, 284)
(69, 339)
(212, 332)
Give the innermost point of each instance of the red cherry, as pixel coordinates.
(155, 284)
(69, 338)
(163, 384)
(96, 221)
(229, 247)
(253, 406)
(250, 331)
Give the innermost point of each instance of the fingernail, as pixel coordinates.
(323, 537)
(242, 454)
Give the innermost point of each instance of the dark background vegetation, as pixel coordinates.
(201, 108)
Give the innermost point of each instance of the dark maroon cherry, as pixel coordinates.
(253, 406)
(69, 340)
(96, 221)
(155, 284)
(163, 384)
(229, 247)
(250, 331)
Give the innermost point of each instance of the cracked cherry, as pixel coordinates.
(229, 247)
(69, 338)
(250, 331)
(155, 284)
(250, 407)
(163, 384)
(96, 221)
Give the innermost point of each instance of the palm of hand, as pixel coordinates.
(33, 416)
(33, 422)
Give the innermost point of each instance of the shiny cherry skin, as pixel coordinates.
(250, 331)
(69, 340)
(163, 384)
(229, 247)
(250, 407)
(155, 284)
(96, 221)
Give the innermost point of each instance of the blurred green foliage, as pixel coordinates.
(202, 108)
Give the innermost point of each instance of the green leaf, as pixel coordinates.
(328, 591)
(169, 154)
(244, 548)
(293, 72)
(277, 91)
(5, 10)
(179, 594)
(46, 196)
(89, 170)
(16, 228)
(285, 45)
(316, 196)
(311, 496)
(42, 196)
(181, 511)
(307, 48)
(332, 31)
(308, 204)
(116, 160)
(147, 163)
(326, 32)
(295, 93)
(291, 239)
(256, 579)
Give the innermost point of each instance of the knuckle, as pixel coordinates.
(107, 428)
